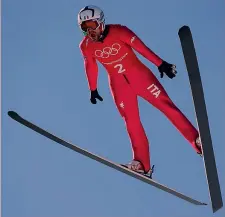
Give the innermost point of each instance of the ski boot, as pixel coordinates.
(138, 167)
(199, 145)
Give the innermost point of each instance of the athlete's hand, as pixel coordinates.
(94, 96)
(168, 69)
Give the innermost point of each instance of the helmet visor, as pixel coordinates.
(89, 24)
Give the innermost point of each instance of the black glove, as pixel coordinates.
(168, 69)
(94, 96)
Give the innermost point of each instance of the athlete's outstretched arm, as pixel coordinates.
(91, 68)
(129, 37)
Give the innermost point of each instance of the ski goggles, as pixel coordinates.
(89, 24)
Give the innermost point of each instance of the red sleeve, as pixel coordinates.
(129, 37)
(91, 67)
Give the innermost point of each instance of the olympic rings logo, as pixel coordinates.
(108, 51)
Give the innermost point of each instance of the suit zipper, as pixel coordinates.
(126, 79)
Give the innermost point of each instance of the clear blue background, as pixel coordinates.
(43, 80)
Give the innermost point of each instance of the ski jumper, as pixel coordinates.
(130, 78)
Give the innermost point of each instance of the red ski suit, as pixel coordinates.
(129, 78)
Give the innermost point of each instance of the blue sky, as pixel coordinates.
(43, 80)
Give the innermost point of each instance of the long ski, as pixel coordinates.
(191, 61)
(106, 162)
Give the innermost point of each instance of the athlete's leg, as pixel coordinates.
(152, 91)
(127, 104)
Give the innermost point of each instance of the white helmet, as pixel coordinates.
(91, 12)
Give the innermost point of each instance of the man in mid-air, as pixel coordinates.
(112, 45)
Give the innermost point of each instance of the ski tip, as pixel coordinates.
(184, 28)
(12, 114)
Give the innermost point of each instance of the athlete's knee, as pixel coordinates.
(133, 122)
(166, 105)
